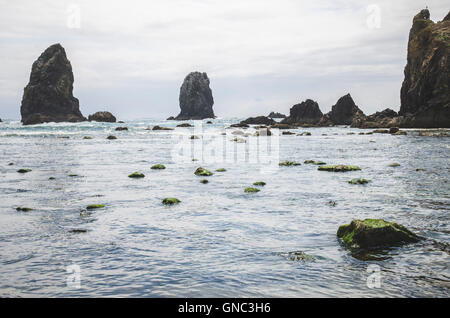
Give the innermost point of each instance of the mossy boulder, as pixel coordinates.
(251, 190)
(158, 167)
(136, 175)
(95, 206)
(359, 181)
(170, 201)
(202, 172)
(394, 164)
(338, 168)
(111, 137)
(289, 163)
(24, 170)
(23, 209)
(313, 162)
(373, 233)
(221, 170)
(204, 181)
(259, 183)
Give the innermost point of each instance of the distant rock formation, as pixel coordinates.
(106, 117)
(343, 113)
(259, 120)
(425, 97)
(305, 113)
(384, 119)
(48, 96)
(276, 115)
(196, 100)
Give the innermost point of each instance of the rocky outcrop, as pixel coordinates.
(305, 113)
(343, 113)
(384, 119)
(106, 117)
(276, 115)
(196, 100)
(48, 96)
(259, 120)
(425, 98)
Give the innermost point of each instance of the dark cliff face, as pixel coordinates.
(307, 112)
(48, 96)
(425, 97)
(196, 100)
(344, 112)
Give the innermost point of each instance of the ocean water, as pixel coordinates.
(219, 241)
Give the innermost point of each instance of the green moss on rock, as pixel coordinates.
(204, 181)
(202, 172)
(372, 233)
(24, 170)
(313, 162)
(338, 168)
(251, 190)
(395, 164)
(289, 164)
(221, 170)
(136, 175)
(170, 201)
(95, 206)
(24, 209)
(158, 167)
(259, 184)
(359, 181)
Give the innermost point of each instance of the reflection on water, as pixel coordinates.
(219, 241)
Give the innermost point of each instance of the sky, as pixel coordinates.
(130, 57)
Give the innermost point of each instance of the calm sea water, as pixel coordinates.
(219, 241)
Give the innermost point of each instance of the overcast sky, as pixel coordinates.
(130, 57)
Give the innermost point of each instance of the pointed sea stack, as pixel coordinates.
(425, 98)
(196, 100)
(305, 113)
(343, 113)
(48, 96)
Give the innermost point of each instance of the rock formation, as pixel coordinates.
(425, 97)
(343, 113)
(384, 119)
(305, 113)
(106, 117)
(196, 100)
(276, 115)
(259, 120)
(48, 96)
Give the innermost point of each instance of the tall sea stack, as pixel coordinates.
(196, 100)
(345, 112)
(425, 97)
(48, 96)
(305, 113)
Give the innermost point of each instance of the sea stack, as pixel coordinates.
(343, 113)
(48, 96)
(196, 100)
(305, 113)
(425, 98)
(105, 117)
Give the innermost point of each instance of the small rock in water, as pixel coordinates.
(95, 206)
(221, 170)
(24, 170)
(259, 184)
(87, 137)
(394, 130)
(289, 163)
(136, 175)
(332, 203)
(203, 172)
(111, 137)
(288, 133)
(52, 178)
(77, 231)
(359, 181)
(338, 168)
(161, 128)
(184, 125)
(11, 164)
(170, 201)
(121, 128)
(194, 137)
(251, 190)
(23, 209)
(395, 164)
(158, 167)
(371, 233)
(313, 162)
(299, 256)
(204, 181)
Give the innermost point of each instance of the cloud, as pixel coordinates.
(147, 47)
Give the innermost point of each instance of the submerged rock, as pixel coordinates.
(259, 184)
(158, 167)
(24, 170)
(136, 175)
(111, 137)
(371, 233)
(170, 201)
(338, 168)
(221, 170)
(95, 206)
(105, 117)
(425, 98)
(299, 256)
(48, 96)
(289, 163)
(307, 112)
(204, 181)
(161, 128)
(394, 164)
(78, 231)
(203, 172)
(313, 162)
(23, 209)
(184, 125)
(251, 190)
(121, 128)
(359, 181)
(196, 99)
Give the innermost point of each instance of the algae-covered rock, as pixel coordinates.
(24, 170)
(204, 181)
(52, 178)
(394, 164)
(359, 181)
(136, 175)
(289, 163)
(203, 172)
(299, 256)
(338, 168)
(221, 170)
(24, 209)
(251, 190)
(371, 233)
(314, 162)
(170, 201)
(158, 167)
(111, 137)
(161, 128)
(95, 206)
(259, 183)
